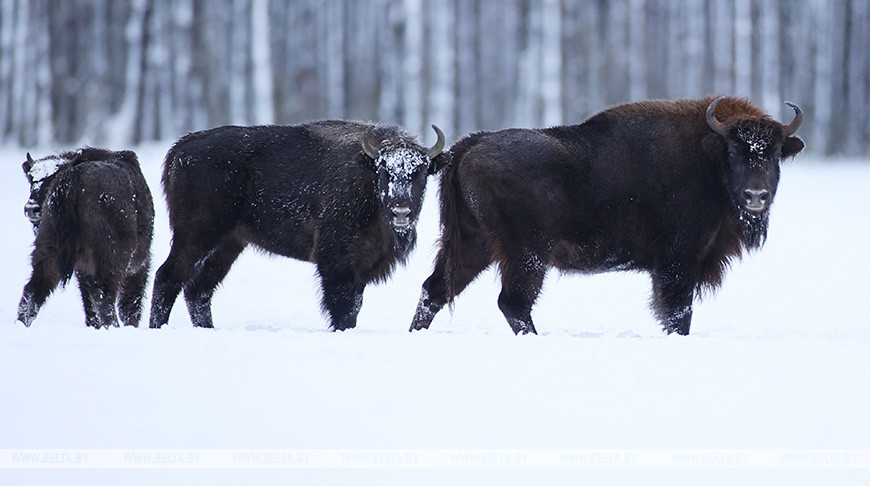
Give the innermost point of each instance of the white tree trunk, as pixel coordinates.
(637, 49)
(551, 63)
(264, 108)
(442, 74)
(239, 56)
(122, 127)
(743, 48)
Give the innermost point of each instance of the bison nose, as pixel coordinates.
(402, 211)
(33, 211)
(400, 216)
(756, 199)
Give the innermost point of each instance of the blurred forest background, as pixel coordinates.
(115, 73)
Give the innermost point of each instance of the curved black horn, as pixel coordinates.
(436, 149)
(369, 143)
(715, 124)
(796, 123)
(29, 158)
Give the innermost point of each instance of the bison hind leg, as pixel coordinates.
(176, 271)
(199, 290)
(440, 288)
(132, 297)
(86, 287)
(522, 279)
(99, 298)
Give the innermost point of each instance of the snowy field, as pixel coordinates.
(778, 360)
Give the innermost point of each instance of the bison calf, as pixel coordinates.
(673, 188)
(343, 195)
(93, 217)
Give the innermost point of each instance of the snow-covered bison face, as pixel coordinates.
(401, 170)
(752, 148)
(39, 173)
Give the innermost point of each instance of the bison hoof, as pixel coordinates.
(342, 328)
(418, 325)
(23, 321)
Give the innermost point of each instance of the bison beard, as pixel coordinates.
(673, 188)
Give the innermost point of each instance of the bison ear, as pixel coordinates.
(440, 161)
(713, 145)
(791, 147)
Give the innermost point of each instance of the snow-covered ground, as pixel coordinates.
(778, 359)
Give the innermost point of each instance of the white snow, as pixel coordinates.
(777, 359)
(45, 167)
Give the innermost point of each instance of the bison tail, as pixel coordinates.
(61, 224)
(451, 231)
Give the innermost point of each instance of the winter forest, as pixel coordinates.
(103, 72)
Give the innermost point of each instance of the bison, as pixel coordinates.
(93, 216)
(673, 188)
(343, 195)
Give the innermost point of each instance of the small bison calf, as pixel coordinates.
(92, 215)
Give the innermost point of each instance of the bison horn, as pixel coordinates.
(715, 124)
(796, 123)
(436, 149)
(370, 144)
(29, 158)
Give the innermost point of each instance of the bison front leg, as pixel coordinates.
(342, 297)
(42, 283)
(673, 293)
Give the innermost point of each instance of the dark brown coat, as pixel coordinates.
(655, 186)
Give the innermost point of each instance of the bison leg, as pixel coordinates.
(166, 288)
(42, 283)
(192, 245)
(175, 271)
(103, 295)
(521, 283)
(673, 292)
(87, 288)
(342, 297)
(199, 291)
(132, 294)
(473, 259)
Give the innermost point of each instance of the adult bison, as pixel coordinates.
(673, 188)
(343, 195)
(93, 216)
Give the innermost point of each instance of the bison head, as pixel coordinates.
(39, 173)
(401, 169)
(752, 150)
